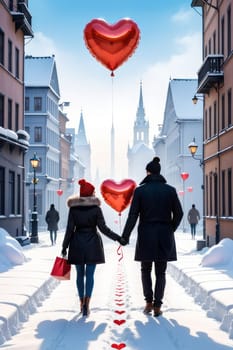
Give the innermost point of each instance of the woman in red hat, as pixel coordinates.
(84, 242)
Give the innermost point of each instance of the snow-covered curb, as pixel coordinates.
(213, 294)
(14, 313)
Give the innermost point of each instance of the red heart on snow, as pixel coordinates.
(119, 312)
(118, 295)
(119, 304)
(118, 346)
(119, 322)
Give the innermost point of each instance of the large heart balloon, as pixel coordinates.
(111, 44)
(118, 194)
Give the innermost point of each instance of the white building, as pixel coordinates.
(182, 122)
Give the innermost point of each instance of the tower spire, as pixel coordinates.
(141, 126)
(81, 139)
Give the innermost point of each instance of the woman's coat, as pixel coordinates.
(84, 242)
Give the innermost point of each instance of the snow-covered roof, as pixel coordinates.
(182, 91)
(41, 72)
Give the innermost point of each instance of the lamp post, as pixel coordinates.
(184, 177)
(34, 219)
(193, 149)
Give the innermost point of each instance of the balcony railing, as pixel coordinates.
(23, 18)
(210, 73)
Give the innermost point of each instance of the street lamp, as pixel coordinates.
(34, 220)
(193, 149)
(196, 98)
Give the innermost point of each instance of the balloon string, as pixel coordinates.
(120, 253)
(119, 249)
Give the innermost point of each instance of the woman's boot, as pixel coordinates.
(86, 308)
(81, 304)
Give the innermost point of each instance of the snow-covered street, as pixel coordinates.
(116, 320)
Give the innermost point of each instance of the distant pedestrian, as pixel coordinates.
(52, 218)
(193, 218)
(156, 205)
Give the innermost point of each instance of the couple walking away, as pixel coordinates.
(158, 208)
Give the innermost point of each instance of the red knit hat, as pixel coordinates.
(86, 188)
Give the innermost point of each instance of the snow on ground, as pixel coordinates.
(116, 320)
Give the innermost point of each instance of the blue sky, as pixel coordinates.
(170, 46)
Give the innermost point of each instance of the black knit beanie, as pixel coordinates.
(154, 167)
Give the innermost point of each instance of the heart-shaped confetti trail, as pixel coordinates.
(119, 322)
(119, 312)
(118, 346)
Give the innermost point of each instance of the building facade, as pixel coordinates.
(15, 26)
(215, 83)
(182, 122)
(42, 123)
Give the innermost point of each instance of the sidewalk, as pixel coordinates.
(24, 287)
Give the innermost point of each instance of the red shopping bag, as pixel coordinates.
(61, 269)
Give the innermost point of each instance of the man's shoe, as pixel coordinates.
(148, 308)
(157, 311)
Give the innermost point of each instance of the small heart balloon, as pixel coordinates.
(111, 44)
(118, 194)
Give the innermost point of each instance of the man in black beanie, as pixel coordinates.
(159, 210)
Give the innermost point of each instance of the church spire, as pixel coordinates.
(140, 111)
(141, 126)
(81, 139)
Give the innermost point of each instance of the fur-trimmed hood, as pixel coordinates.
(74, 201)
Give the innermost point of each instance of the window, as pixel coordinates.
(26, 104)
(215, 118)
(10, 55)
(2, 191)
(210, 122)
(211, 196)
(17, 63)
(38, 134)
(16, 116)
(2, 110)
(206, 119)
(229, 107)
(229, 192)
(27, 129)
(215, 194)
(11, 5)
(229, 30)
(223, 34)
(223, 112)
(37, 103)
(18, 194)
(223, 194)
(11, 192)
(209, 44)
(214, 43)
(2, 40)
(9, 114)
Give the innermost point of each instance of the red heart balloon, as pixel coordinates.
(111, 44)
(119, 322)
(118, 346)
(118, 195)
